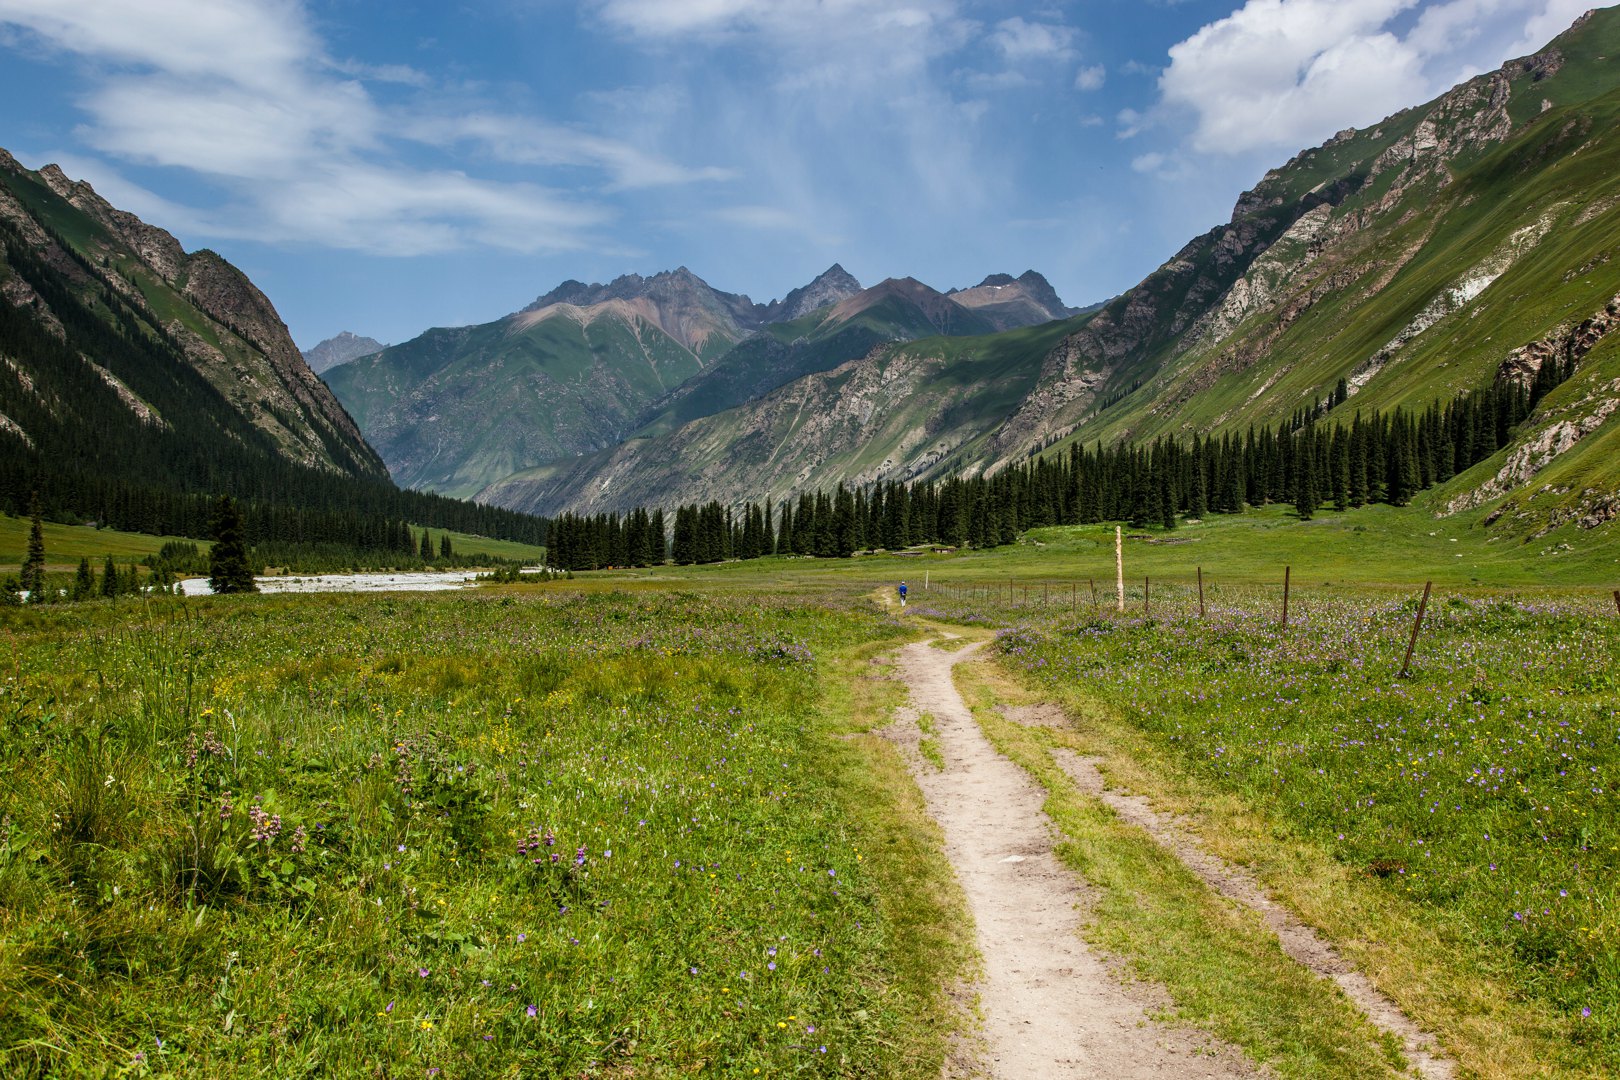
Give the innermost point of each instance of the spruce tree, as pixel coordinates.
(228, 570)
(109, 579)
(84, 582)
(33, 567)
(1306, 497)
(426, 550)
(444, 547)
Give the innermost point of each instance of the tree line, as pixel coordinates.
(1314, 459)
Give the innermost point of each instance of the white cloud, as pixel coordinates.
(243, 93)
(1020, 42)
(1288, 73)
(1090, 78)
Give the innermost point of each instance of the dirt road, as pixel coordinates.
(1050, 1006)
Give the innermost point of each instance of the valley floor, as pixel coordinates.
(720, 820)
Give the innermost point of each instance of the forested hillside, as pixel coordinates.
(137, 381)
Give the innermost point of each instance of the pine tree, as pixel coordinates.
(426, 550)
(444, 547)
(84, 582)
(109, 579)
(228, 570)
(33, 567)
(1306, 497)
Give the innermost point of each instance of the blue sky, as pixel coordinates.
(386, 167)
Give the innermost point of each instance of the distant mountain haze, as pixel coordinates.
(340, 350)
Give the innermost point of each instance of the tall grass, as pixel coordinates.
(481, 834)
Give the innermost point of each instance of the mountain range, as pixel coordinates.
(586, 367)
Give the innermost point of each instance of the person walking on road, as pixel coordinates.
(902, 594)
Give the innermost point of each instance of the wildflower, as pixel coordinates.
(299, 836)
(423, 972)
(388, 1008)
(533, 1011)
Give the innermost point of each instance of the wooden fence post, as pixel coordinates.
(1144, 596)
(1288, 572)
(1200, 592)
(1119, 567)
(1423, 605)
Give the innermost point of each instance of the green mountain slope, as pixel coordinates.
(455, 409)
(155, 340)
(1449, 247)
(918, 406)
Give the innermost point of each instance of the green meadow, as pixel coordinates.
(641, 823)
(65, 545)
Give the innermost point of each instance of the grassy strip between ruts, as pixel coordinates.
(478, 835)
(1224, 971)
(1487, 1028)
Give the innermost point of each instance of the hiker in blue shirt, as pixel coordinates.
(902, 594)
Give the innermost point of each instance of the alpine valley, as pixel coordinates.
(1454, 247)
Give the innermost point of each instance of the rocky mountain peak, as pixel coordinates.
(1010, 302)
(340, 350)
(833, 285)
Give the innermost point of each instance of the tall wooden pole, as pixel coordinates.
(1200, 592)
(1288, 572)
(1423, 605)
(1119, 566)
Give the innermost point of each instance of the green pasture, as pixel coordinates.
(478, 833)
(1372, 546)
(66, 544)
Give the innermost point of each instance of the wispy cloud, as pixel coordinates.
(1020, 41)
(244, 94)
